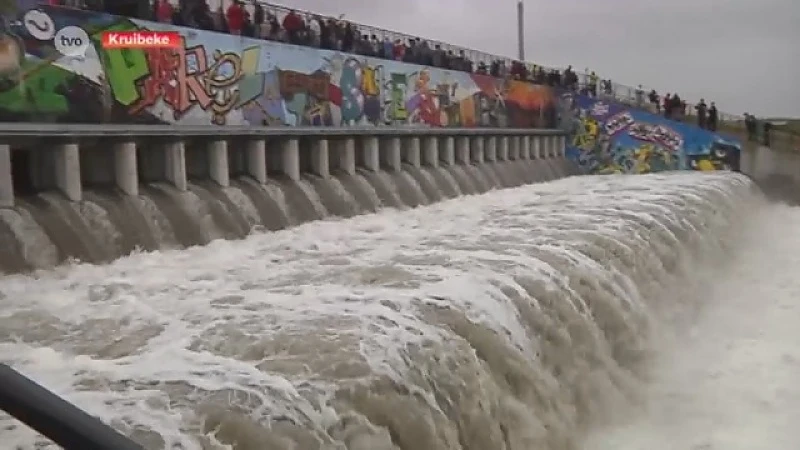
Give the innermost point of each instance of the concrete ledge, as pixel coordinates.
(68, 165)
(226, 186)
(45, 130)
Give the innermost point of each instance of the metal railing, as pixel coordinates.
(625, 94)
(53, 417)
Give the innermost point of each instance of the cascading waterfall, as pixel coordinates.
(514, 320)
(108, 225)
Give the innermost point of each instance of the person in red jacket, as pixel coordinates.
(164, 11)
(294, 25)
(235, 17)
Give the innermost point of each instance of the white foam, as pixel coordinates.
(731, 379)
(561, 280)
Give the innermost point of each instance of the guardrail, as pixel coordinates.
(27, 133)
(622, 92)
(53, 417)
(27, 129)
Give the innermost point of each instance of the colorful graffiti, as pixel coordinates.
(221, 79)
(612, 138)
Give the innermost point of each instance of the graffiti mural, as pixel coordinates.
(229, 80)
(611, 138)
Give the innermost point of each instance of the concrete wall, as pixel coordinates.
(777, 172)
(219, 79)
(95, 197)
(611, 137)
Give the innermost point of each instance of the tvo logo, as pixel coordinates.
(72, 41)
(69, 41)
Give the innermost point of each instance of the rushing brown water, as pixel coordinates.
(517, 320)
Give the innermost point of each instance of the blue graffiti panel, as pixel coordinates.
(609, 137)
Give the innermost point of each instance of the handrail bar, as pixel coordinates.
(53, 417)
(41, 130)
(475, 55)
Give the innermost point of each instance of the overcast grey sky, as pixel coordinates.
(743, 54)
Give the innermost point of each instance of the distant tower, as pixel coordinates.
(520, 31)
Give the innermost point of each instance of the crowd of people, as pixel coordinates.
(300, 28)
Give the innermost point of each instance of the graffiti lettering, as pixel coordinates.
(395, 110)
(292, 83)
(170, 79)
(634, 141)
(600, 109)
(183, 78)
(668, 137)
(658, 134)
(221, 79)
(220, 84)
(618, 123)
(641, 131)
(123, 67)
(369, 81)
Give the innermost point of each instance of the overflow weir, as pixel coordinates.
(147, 149)
(93, 193)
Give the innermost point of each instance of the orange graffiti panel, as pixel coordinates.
(529, 96)
(486, 84)
(467, 112)
(170, 79)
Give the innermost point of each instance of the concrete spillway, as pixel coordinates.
(96, 201)
(531, 317)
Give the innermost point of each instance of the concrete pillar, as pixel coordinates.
(290, 159)
(392, 154)
(547, 144)
(462, 150)
(556, 146)
(218, 161)
(257, 160)
(126, 173)
(525, 147)
(553, 141)
(447, 150)
(371, 149)
(490, 149)
(6, 182)
(345, 154)
(536, 147)
(175, 153)
(476, 144)
(513, 151)
(68, 171)
(411, 150)
(430, 151)
(562, 146)
(320, 158)
(502, 148)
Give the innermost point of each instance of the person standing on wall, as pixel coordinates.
(750, 125)
(294, 25)
(593, 80)
(655, 101)
(701, 109)
(713, 117)
(767, 130)
(164, 11)
(235, 16)
(640, 97)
